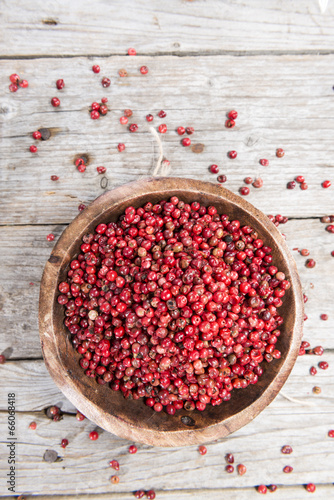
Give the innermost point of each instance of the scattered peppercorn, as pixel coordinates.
(202, 450)
(133, 127)
(310, 263)
(313, 370)
(162, 114)
(132, 52)
(162, 128)
(181, 130)
(331, 433)
(221, 179)
(101, 170)
(50, 237)
(64, 443)
(248, 180)
(286, 449)
(123, 120)
(114, 464)
(37, 135)
(33, 149)
(60, 84)
(229, 469)
(262, 489)
(121, 147)
(149, 118)
(96, 68)
(232, 154)
(186, 142)
(241, 468)
(264, 162)
(190, 130)
(258, 183)
(272, 487)
(150, 494)
(144, 70)
(139, 493)
(323, 365)
(326, 184)
(80, 416)
(123, 73)
(55, 102)
(232, 115)
(310, 487)
(287, 469)
(2, 359)
(244, 191)
(280, 153)
(32, 426)
(105, 82)
(230, 123)
(214, 169)
(93, 435)
(324, 317)
(133, 449)
(229, 458)
(81, 207)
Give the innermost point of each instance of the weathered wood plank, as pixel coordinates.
(282, 493)
(85, 469)
(24, 251)
(176, 26)
(292, 111)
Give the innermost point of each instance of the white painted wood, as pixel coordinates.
(85, 469)
(24, 251)
(103, 28)
(282, 101)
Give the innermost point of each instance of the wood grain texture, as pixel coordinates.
(282, 102)
(85, 466)
(282, 493)
(27, 245)
(176, 26)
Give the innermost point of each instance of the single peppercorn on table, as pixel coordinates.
(270, 63)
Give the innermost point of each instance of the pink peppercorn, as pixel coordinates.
(258, 183)
(232, 115)
(248, 180)
(123, 120)
(54, 177)
(149, 117)
(331, 433)
(32, 426)
(121, 147)
(244, 191)
(300, 179)
(60, 84)
(214, 169)
(190, 130)
(230, 123)
(133, 449)
(37, 135)
(101, 170)
(186, 142)
(324, 317)
(114, 464)
(14, 78)
(132, 52)
(181, 130)
(229, 469)
(50, 237)
(133, 127)
(326, 184)
(262, 489)
(2, 359)
(291, 185)
(313, 370)
(287, 469)
(241, 468)
(232, 154)
(323, 365)
(24, 84)
(162, 114)
(79, 415)
(162, 128)
(33, 149)
(13, 87)
(264, 162)
(64, 443)
(310, 487)
(221, 178)
(95, 115)
(55, 102)
(144, 70)
(105, 82)
(93, 435)
(96, 68)
(280, 152)
(128, 112)
(304, 186)
(202, 450)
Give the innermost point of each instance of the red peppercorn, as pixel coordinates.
(32, 426)
(272, 487)
(24, 84)
(14, 78)
(324, 317)
(133, 449)
(114, 464)
(139, 493)
(13, 87)
(133, 127)
(232, 115)
(300, 179)
(318, 350)
(214, 169)
(103, 109)
(291, 185)
(101, 170)
(326, 184)
(248, 180)
(162, 128)
(241, 469)
(96, 68)
(54, 177)
(81, 168)
(310, 263)
(105, 82)
(304, 252)
(121, 147)
(149, 118)
(186, 142)
(104, 100)
(244, 191)
(229, 469)
(287, 469)
(264, 162)
(128, 112)
(262, 489)
(162, 114)
(132, 52)
(286, 449)
(2, 359)
(280, 152)
(232, 154)
(64, 443)
(190, 130)
(258, 183)
(144, 70)
(202, 450)
(323, 365)
(50, 237)
(33, 149)
(55, 102)
(181, 130)
(230, 123)
(313, 370)
(304, 186)
(60, 84)
(310, 487)
(93, 435)
(331, 433)
(229, 458)
(37, 135)
(123, 120)
(80, 416)
(150, 494)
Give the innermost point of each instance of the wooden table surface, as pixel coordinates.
(273, 63)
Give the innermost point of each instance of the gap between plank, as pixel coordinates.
(209, 53)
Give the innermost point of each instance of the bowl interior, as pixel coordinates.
(134, 412)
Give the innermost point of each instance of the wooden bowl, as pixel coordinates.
(132, 419)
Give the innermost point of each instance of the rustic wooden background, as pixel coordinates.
(273, 62)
